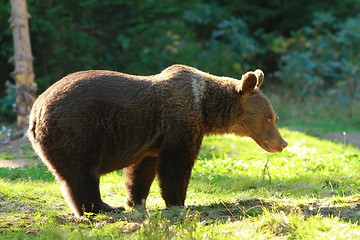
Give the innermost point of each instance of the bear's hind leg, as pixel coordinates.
(139, 178)
(82, 193)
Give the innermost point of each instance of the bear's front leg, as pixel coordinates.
(176, 162)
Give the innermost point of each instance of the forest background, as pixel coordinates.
(306, 48)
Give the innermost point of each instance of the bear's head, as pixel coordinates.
(257, 118)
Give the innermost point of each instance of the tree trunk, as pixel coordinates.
(23, 59)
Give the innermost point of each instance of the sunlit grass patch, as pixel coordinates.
(308, 166)
(278, 225)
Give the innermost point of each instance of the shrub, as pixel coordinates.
(7, 112)
(231, 48)
(323, 58)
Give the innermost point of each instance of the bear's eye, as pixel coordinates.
(271, 118)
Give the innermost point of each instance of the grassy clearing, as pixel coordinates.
(237, 191)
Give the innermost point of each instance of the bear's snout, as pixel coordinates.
(273, 145)
(284, 144)
(279, 146)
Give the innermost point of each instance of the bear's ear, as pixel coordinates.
(248, 82)
(260, 77)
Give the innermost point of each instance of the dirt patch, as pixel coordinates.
(16, 163)
(347, 209)
(14, 143)
(344, 137)
(16, 153)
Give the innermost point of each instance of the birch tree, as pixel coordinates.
(23, 60)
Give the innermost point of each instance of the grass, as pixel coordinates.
(237, 191)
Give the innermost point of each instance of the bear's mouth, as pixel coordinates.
(268, 147)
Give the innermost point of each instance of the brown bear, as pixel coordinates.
(94, 122)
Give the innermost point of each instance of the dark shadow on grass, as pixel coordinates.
(241, 209)
(254, 207)
(344, 138)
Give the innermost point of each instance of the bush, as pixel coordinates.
(230, 50)
(7, 112)
(323, 58)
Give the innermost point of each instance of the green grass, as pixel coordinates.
(237, 191)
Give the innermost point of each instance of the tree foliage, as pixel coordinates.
(323, 56)
(224, 37)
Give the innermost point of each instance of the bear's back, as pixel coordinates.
(122, 113)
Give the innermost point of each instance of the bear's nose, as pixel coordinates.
(284, 144)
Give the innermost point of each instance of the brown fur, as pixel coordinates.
(93, 122)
